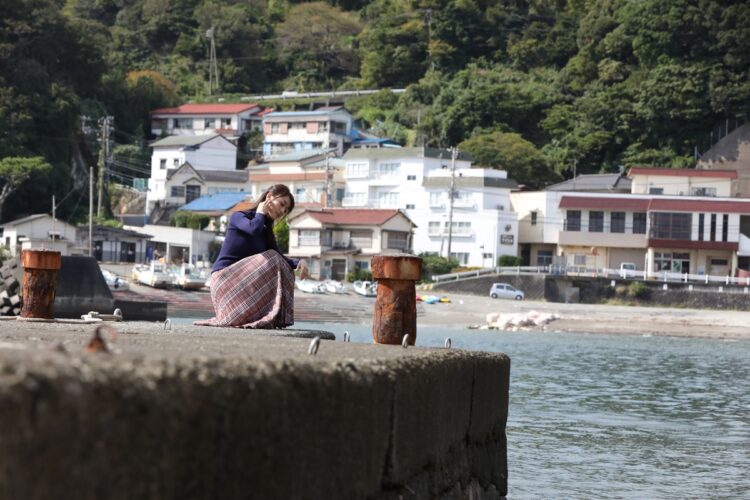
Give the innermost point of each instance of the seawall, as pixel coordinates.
(199, 412)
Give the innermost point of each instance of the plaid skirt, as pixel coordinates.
(255, 292)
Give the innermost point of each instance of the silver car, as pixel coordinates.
(505, 291)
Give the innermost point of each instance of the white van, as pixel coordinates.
(627, 270)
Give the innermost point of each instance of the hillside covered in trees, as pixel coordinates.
(534, 87)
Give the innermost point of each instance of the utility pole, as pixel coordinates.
(329, 181)
(451, 194)
(91, 208)
(54, 220)
(213, 67)
(105, 129)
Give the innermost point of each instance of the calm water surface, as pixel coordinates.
(595, 416)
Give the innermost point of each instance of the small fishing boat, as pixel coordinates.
(189, 277)
(366, 288)
(333, 286)
(310, 286)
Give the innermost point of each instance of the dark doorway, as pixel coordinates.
(338, 269)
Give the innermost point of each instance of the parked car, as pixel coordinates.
(505, 291)
(627, 269)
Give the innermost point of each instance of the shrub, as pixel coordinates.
(434, 264)
(638, 290)
(183, 218)
(359, 275)
(509, 261)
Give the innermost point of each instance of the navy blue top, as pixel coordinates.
(246, 236)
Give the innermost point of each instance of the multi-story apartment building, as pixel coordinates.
(204, 153)
(324, 128)
(309, 174)
(231, 120)
(338, 240)
(655, 227)
(480, 226)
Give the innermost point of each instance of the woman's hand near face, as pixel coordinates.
(261, 208)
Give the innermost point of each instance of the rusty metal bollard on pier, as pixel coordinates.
(396, 302)
(39, 282)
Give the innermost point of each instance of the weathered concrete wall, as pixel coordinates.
(220, 413)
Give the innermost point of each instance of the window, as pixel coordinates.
(701, 226)
(397, 240)
(573, 221)
(617, 222)
(411, 177)
(670, 226)
(713, 227)
(186, 123)
(544, 257)
(533, 218)
(486, 256)
(436, 199)
(725, 227)
(208, 123)
(653, 190)
(226, 122)
(163, 163)
(639, 223)
(322, 126)
(719, 262)
(433, 228)
(297, 125)
(388, 170)
(192, 193)
(357, 169)
(326, 239)
(299, 194)
(461, 257)
(410, 206)
(596, 222)
(361, 238)
(356, 199)
(460, 227)
(387, 199)
(579, 259)
(178, 191)
(274, 128)
(662, 261)
(339, 127)
(309, 238)
(703, 191)
(362, 265)
(175, 162)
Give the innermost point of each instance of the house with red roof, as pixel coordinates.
(231, 120)
(336, 241)
(673, 223)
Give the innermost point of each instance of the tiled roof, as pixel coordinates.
(22, 220)
(204, 109)
(593, 182)
(395, 153)
(184, 140)
(294, 114)
(683, 172)
(682, 204)
(224, 175)
(302, 154)
(218, 202)
(354, 216)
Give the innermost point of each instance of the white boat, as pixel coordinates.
(310, 286)
(334, 286)
(114, 282)
(188, 277)
(154, 274)
(366, 288)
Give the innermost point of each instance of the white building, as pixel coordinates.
(418, 180)
(187, 183)
(232, 120)
(39, 230)
(308, 174)
(323, 128)
(178, 244)
(203, 153)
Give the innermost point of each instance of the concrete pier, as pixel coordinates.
(197, 412)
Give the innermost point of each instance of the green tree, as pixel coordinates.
(512, 153)
(433, 265)
(14, 171)
(281, 233)
(317, 44)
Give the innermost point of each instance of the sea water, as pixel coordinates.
(616, 416)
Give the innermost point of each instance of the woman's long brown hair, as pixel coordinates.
(274, 191)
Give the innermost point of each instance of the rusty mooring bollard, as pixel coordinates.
(39, 282)
(396, 303)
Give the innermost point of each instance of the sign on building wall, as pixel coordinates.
(506, 239)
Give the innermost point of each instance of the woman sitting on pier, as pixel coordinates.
(252, 283)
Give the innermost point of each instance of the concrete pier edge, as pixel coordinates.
(212, 414)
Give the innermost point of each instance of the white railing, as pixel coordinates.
(662, 276)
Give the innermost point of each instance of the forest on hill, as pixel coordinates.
(535, 87)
